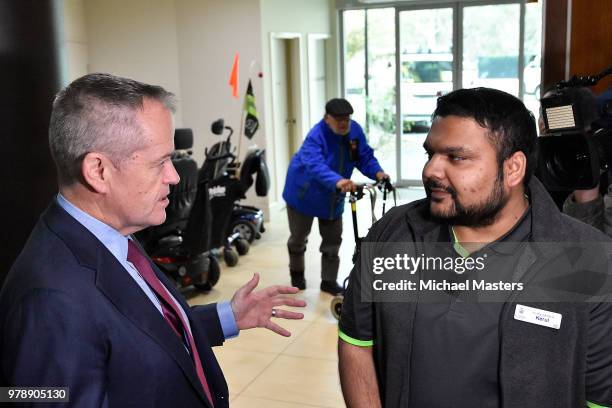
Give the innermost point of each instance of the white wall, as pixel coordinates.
(210, 32)
(75, 39)
(135, 39)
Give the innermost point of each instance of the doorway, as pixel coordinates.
(286, 102)
(317, 77)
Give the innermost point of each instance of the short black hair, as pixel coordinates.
(511, 126)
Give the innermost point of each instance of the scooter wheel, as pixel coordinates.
(212, 277)
(230, 256)
(242, 246)
(245, 229)
(336, 306)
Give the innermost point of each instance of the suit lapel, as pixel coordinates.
(120, 288)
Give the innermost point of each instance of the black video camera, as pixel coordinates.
(572, 154)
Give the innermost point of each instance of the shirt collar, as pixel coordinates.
(507, 244)
(111, 238)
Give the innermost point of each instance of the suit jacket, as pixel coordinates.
(71, 316)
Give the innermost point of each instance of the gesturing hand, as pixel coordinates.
(255, 309)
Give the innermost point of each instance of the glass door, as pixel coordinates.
(369, 79)
(398, 60)
(426, 71)
(491, 47)
(353, 27)
(499, 53)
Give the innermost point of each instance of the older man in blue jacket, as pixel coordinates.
(318, 176)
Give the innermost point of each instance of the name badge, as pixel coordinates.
(537, 316)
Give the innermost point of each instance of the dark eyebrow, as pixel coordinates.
(449, 149)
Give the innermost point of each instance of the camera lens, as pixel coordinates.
(566, 162)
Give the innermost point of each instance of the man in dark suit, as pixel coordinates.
(83, 307)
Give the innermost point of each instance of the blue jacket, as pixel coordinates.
(315, 169)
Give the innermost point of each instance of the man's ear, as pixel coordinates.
(515, 167)
(95, 169)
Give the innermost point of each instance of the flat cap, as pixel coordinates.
(338, 107)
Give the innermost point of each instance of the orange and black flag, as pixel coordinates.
(251, 123)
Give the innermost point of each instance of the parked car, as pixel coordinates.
(424, 77)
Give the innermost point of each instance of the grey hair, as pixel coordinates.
(97, 113)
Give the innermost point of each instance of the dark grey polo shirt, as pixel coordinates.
(538, 367)
(456, 343)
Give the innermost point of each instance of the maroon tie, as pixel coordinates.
(169, 308)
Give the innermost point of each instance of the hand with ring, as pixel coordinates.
(257, 308)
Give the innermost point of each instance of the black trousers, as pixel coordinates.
(331, 234)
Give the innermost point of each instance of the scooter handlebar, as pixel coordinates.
(220, 157)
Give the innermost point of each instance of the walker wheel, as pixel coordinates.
(336, 306)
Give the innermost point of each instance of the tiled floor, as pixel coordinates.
(264, 369)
